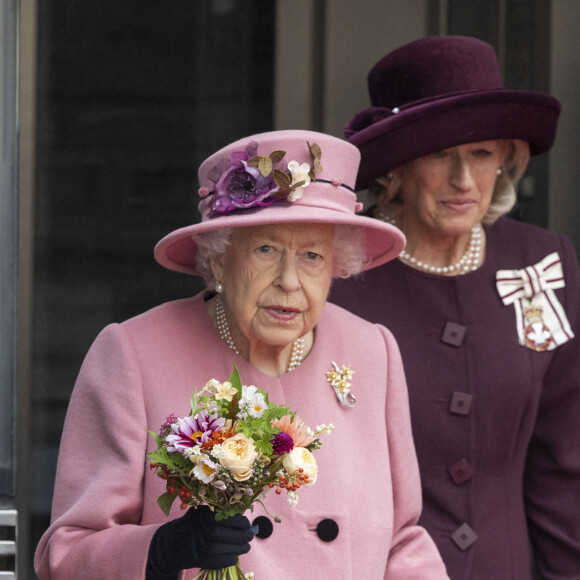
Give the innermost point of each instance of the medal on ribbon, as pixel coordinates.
(538, 337)
(541, 321)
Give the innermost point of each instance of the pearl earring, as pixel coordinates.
(499, 171)
(219, 287)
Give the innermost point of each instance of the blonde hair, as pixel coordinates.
(386, 191)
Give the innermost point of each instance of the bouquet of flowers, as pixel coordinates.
(230, 451)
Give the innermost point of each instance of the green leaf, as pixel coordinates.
(297, 184)
(222, 513)
(263, 446)
(236, 381)
(172, 460)
(165, 501)
(159, 456)
(193, 404)
(155, 436)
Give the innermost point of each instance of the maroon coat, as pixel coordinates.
(496, 425)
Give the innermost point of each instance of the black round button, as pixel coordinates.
(327, 530)
(265, 527)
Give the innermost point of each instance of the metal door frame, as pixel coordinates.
(9, 10)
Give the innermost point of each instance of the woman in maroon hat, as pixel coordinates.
(484, 308)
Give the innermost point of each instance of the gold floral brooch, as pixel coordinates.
(339, 378)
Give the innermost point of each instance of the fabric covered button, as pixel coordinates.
(464, 537)
(461, 472)
(327, 530)
(265, 527)
(453, 334)
(460, 403)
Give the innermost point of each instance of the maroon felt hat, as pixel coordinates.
(440, 92)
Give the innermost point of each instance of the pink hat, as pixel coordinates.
(279, 177)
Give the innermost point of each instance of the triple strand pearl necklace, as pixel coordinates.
(296, 354)
(470, 260)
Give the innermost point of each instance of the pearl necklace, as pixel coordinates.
(470, 260)
(296, 354)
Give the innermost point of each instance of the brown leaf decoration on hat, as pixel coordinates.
(265, 166)
(281, 178)
(264, 163)
(284, 182)
(277, 156)
(315, 155)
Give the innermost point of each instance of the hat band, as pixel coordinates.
(336, 182)
(343, 200)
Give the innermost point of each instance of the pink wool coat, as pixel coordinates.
(136, 373)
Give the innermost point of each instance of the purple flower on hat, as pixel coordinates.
(242, 186)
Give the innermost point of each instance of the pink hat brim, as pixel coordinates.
(382, 242)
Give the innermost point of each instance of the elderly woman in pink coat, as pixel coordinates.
(268, 254)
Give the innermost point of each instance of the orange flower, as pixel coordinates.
(295, 428)
(218, 437)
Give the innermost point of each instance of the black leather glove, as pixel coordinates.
(196, 540)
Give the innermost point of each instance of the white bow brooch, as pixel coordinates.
(540, 318)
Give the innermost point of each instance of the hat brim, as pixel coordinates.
(382, 242)
(455, 120)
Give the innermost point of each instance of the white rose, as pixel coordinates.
(238, 456)
(298, 458)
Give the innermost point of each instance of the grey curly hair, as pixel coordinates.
(349, 257)
(385, 191)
